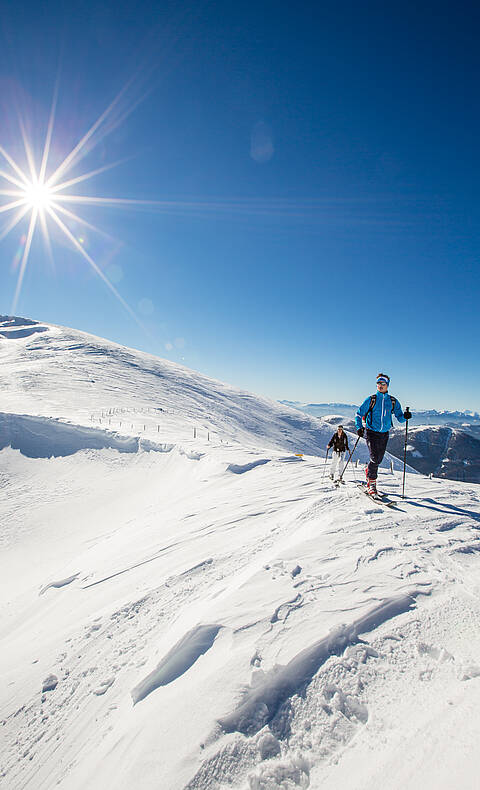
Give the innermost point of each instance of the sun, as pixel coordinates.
(42, 196)
(38, 196)
(35, 194)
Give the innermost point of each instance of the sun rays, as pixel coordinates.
(33, 194)
(41, 195)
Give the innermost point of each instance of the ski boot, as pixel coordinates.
(371, 485)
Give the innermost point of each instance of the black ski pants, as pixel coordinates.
(377, 444)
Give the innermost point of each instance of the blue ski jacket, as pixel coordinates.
(380, 418)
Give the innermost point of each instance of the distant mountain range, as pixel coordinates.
(322, 409)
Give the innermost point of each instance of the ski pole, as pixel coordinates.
(344, 468)
(325, 464)
(405, 454)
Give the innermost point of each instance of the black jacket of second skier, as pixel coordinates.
(339, 443)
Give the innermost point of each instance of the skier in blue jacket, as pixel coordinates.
(376, 411)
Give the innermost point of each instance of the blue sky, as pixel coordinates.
(321, 164)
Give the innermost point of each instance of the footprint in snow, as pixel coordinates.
(104, 686)
(92, 628)
(469, 672)
(437, 653)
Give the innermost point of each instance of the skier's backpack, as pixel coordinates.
(373, 400)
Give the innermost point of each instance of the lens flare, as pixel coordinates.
(40, 197)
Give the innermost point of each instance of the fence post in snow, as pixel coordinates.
(391, 467)
(194, 433)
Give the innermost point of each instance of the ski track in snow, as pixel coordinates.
(273, 631)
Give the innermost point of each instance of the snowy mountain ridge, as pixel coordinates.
(112, 382)
(189, 604)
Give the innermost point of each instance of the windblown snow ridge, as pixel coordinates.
(262, 702)
(45, 437)
(178, 660)
(240, 469)
(13, 328)
(60, 583)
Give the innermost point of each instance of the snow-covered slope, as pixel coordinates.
(209, 612)
(112, 383)
(76, 377)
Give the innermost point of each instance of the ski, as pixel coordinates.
(380, 498)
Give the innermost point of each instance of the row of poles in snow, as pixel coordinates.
(108, 416)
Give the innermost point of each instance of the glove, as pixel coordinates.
(407, 414)
(361, 431)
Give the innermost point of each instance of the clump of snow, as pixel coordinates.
(282, 774)
(50, 683)
(268, 746)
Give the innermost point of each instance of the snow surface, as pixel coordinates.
(187, 604)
